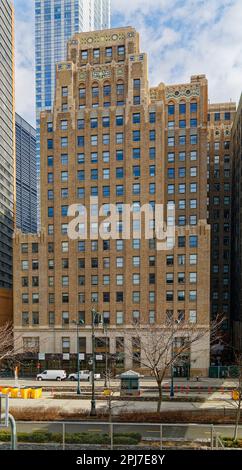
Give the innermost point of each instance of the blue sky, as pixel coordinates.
(181, 37)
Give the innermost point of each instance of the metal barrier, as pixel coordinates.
(112, 435)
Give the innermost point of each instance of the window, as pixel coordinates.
(152, 153)
(50, 144)
(192, 316)
(193, 122)
(152, 118)
(152, 135)
(136, 316)
(96, 53)
(193, 241)
(80, 124)
(121, 50)
(94, 125)
(136, 136)
(136, 297)
(171, 109)
(64, 125)
(119, 120)
(106, 139)
(136, 83)
(193, 139)
(66, 345)
(94, 140)
(49, 126)
(106, 121)
(120, 89)
(95, 94)
(136, 188)
(182, 140)
(106, 173)
(182, 108)
(119, 317)
(119, 297)
(136, 118)
(84, 55)
(108, 52)
(152, 170)
(193, 107)
(82, 93)
(106, 157)
(107, 90)
(171, 141)
(182, 123)
(181, 295)
(193, 295)
(151, 278)
(151, 317)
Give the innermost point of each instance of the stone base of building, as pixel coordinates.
(50, 355)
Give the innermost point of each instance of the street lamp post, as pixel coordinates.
(78, 390)
(172, 353)
(172, 374)
(93, 401)
(106, 353)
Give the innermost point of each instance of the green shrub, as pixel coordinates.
(124, 440)
(131, 438)
(5, 436)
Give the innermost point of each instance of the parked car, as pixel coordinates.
(84, 375)
(52, 375)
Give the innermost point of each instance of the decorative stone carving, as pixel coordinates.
(82, 75)
(100, 74)
(182, 92)
(120, 71)
(64, 66)
(136, 58)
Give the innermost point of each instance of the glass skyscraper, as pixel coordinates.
(55, 22)
(26, 190)
(7, 145)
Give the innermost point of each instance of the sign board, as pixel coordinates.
(99, 357)
(4, 405)
(66, 356)
(41, 356)
(81, 356)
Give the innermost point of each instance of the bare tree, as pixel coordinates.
(10, 346)
(161, 346)
(238, 400)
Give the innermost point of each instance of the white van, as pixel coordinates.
(52, 375)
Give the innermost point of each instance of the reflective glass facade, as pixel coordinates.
(7, 167)
(55, 22)
(26, 189)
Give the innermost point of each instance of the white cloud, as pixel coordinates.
(24, 62)
(181, 37)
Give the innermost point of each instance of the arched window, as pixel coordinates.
(82, 91)
(182, 107)
(120, 88)
(95, 90)
(106, 89)
(171, 108)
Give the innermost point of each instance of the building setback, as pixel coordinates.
(55, 22)
(220, 120)
(7, 153)
(26, 181)
(236, 278)
(110, 135)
